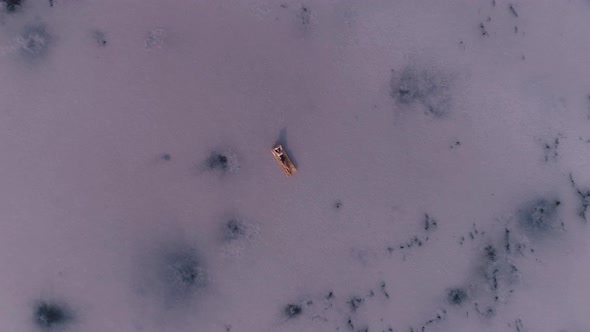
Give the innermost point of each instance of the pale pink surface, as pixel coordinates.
(86, 197)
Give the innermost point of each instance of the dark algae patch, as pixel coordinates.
(422, 87)
(100, 38)
(218, 161)
(512, 10)
(491, 253)
(456, 296)
(292, 310)
(234, 229)
(584, 198)
(539, 216)
(11, 6)
(183, 272)
(49, 315)
(35, 41)
(304, 15)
